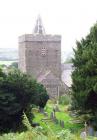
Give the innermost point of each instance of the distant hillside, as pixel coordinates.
(11, 54)
(8, 54)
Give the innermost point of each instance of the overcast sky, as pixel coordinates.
(70, 18)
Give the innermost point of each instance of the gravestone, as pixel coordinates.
(34, 124)
(41, 110)
(83, 135)
(46, 114)
(62, 124)
(54, 111)
(57, 108)
(96, 134)
(51, 116)
(90, 131)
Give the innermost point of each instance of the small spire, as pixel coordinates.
(39, 29)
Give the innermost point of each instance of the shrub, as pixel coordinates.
(65, 134)
(65, 100)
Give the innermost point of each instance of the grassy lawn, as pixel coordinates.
(62, 115)
(49, 130)
(53, 128)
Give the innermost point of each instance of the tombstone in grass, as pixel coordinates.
(62, 124)
(96, 134)
(57, 108)
(46, 114)
(41, 110)
(54, 117)
(54, 110)
(90, 130)
(51, 116)
(83, 135)
(34, 124)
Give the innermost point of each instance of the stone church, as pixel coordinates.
(40, 56)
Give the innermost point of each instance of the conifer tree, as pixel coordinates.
(84, 76)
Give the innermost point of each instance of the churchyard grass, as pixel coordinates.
(53, 128)
(49, 130)
(62, 115)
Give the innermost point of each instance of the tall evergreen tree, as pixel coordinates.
(84, 76)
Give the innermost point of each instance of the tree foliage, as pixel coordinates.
(17, 93)
(84, 76)
(14, 65)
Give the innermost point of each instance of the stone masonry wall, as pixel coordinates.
(39, 52)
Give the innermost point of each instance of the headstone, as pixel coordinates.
(46, 114)
(90, 131)
(51, 116)
(83, 135)
(54, 114)
(62, 124)
(41, 110)
(54, 111)
(96, 134)
(57, 108)
(34, 124)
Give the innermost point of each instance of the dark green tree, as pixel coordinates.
(14, 65)
(42, 96)
(18, 92)
(84, 76)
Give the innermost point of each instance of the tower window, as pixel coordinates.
(43, 51)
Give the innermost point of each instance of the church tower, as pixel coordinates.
(39, 52)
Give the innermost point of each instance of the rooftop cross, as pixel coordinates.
(39, 29)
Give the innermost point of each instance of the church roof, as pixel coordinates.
(66, 74)
(48, 75)
(48, 78)
(39, 29)
(42, 76)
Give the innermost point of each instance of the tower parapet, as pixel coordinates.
(39, 37)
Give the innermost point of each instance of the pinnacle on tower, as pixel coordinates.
(39, 29)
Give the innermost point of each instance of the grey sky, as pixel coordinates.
(70, 18)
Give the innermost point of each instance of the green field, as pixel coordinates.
(6, 62)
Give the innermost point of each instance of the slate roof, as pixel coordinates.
(48, 77)
(66, 74)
